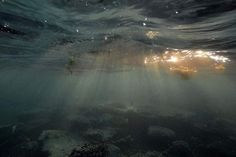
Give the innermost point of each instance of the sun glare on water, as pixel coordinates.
(188, 61)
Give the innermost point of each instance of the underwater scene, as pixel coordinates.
(117, 78)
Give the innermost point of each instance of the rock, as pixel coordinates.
(58, 143)
(114, 151)
(11, 129)
(79, 123)
(100, 134)
(90, 150)
(178, 149)
(221, 148)
(147, 154)
(180, 143)
(14, 141)
(96, 150)
(158, 131)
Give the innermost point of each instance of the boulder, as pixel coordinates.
(178, 149)
(158, 131)
(58, 143)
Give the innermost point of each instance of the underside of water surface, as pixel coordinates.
(117, 78)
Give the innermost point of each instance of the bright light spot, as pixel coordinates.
(145, 61)
(105, 37)
(152, 34)
(172, 59)
(218, 58)
(219, 66)
(188, 61)
(183, 69)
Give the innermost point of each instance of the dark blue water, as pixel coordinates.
(83, 72)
